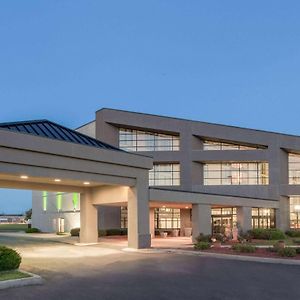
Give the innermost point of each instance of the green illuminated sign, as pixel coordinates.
(75, 200)
(59, 201)
(45, 198)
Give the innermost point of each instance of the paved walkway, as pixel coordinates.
(95, 272)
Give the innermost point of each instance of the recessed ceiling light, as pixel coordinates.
(164, 206)
(186, 207)
(86, 183)
(24, 177)
(57, 180)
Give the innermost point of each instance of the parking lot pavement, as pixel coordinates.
(96, 272)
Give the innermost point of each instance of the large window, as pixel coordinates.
(263, 218)
(294, 169)
(223, 218)
(295, 212)
(167, 218)
(212, 145)
(136, 140)
(237, 173)
(164, 174)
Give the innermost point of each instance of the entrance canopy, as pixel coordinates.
(42, 155)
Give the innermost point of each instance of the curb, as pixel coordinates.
(268, 260)
(33, 280)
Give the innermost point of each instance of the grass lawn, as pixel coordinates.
(13, 227)
(8, 275)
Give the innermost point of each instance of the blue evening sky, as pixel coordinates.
(231, 62)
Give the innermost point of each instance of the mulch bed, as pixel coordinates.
(260, 252)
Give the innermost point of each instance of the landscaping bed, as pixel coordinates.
(259, 252)
(274, 244)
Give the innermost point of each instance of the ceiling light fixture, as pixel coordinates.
(24, 177)
(86, 183)
(57, 180)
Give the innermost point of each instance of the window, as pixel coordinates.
(237, 173)
(263, 218)
(211, 145)
(222, 218)
(124, 218)
(164, 174)
(294, 169)
(167, 218)
(295, 212)
(136, 140)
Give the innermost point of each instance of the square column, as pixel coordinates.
(283, 214)
(201, 219)
(244, 217)
(138, 215)
(152, 222)
(88, 219)
(185, 220)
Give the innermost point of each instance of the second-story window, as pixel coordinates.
(294, 168)
(164, 175)
(236, 173)
(136, 140)
(212, 145)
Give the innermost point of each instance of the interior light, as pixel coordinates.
(24, 177)
(86, 183)
(57, 180)
(297, 207)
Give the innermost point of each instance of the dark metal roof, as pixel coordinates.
(55, 131)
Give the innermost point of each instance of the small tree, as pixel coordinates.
(28, 214)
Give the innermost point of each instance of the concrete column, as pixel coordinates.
(185, 220)
(283, 214)
(152, 222)
(201, 219)
(88, 219)
(138, 215)
(244, 217)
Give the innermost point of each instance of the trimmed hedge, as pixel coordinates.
(201, 246)
(32, 230)
(203, 238)
(9, 259)
(244, 248)
(293, 233)
(267, 234)
(101, 232)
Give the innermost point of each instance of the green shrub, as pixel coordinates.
(123, 231)
(296, 241)
(201, 246)
(297, 250)
(203, 238)
(102, 232)
(287, 252)
(9, 259)
(245, 248)
(113, 231)
(266, 234)
(293, 233)
(32, 230)
(75, 231)
(276, 234)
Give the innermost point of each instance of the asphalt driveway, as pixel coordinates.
(98, 272)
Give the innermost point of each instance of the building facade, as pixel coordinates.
(205, 177)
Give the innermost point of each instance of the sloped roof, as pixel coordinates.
(48, 129)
